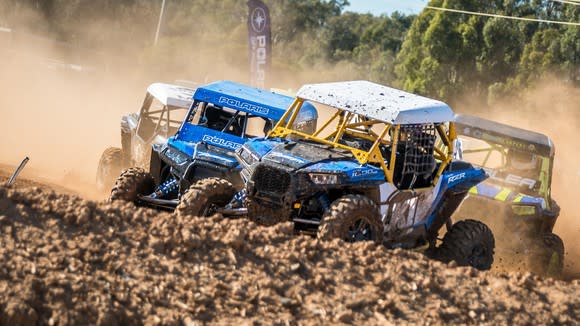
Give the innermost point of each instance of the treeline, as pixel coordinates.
(440, 54)
(450, 55)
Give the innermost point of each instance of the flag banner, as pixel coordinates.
(259, 42)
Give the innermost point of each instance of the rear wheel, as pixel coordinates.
(132, 183)
(205, 197)
(352, 218)
(109, 168)
(469, 243)
(547, 258)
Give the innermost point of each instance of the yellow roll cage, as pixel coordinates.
(443, 152)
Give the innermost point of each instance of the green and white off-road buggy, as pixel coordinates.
(515, 201)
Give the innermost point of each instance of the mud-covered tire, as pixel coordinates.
(109, 168)
(468, 243)
(547, 258)
(204, 196)
(345, 217)
(132, 183)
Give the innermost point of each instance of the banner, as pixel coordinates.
(260, 42)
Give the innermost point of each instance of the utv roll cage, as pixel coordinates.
(502, 139)
(405, 134)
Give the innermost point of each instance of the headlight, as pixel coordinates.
(176, 156)
(247, 156)
(323, 178)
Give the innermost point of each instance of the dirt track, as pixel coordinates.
(65, 260)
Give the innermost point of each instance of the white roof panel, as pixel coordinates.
(378, 102)
(172, 95)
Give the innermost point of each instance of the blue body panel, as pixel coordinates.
(248, 99)
(262, 146)
(194, 134)
(456, 181)
(202, 153)
(491, 191)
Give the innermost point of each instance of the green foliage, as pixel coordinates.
(448, 55)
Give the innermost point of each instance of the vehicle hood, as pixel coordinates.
(310, 157)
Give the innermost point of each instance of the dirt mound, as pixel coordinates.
(65, 260)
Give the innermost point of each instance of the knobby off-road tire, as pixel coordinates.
(469, 243)
(352, 218)
(132, 183)
(109, 168)
(547, 258)
(205, 196)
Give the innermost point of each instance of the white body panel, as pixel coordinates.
(411, 211)
(378, 102)
(172, 95)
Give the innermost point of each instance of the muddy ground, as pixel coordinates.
(68, 261)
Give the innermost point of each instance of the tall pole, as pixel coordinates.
(159, 22)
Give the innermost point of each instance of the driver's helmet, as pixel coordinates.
(307, 119)
(521, 161)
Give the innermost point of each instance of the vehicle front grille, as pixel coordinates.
(271, 180)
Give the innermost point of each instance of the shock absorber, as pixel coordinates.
(166, 188)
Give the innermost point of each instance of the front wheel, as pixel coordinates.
(547, 258)
(352, 218)
(109, 168)
(132, 183)
(469, 243)
(204, 197)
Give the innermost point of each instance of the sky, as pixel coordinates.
(377, 7)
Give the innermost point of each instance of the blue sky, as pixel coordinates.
(378, 7)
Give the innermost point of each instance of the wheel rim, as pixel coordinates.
(360, 230)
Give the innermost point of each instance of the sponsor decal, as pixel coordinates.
(511, 179)
(456, 177)
(220, 142)
(258, 19)
(234, 103)
(364, 172)
(479, 134)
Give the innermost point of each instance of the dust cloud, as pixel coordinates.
(551, 107)
(61, 104)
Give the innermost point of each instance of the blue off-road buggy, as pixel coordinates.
(518, 192)
(380, 168)
(221, 118)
